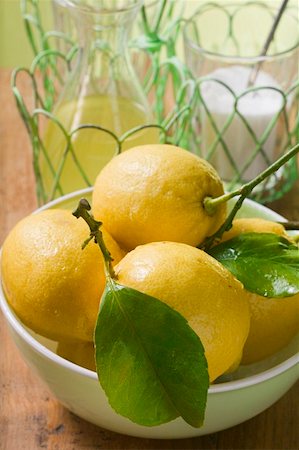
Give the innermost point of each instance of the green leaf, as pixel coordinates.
(150, 363)
(266, 264)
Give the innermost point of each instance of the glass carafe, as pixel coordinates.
(102, 91)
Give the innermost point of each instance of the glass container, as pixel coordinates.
(242, 127)
(102, 98)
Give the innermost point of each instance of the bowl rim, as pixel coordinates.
(19, 328)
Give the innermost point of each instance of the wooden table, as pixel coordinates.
(30, 418)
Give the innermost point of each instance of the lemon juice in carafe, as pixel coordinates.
(91, 148)
(102, 100)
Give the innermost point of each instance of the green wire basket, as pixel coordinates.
(177, 100)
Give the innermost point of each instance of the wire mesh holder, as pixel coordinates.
(180, 123)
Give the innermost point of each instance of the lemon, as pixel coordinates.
(154, 193)
(254, 225)
(80, 353)
(199, 288)
(51, 283)
(274, 321)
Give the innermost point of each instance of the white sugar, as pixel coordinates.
(258, 108)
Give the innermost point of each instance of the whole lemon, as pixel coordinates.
(154, 193)
(254, 225)
(274, 321)
(51, 283)
(199, 288)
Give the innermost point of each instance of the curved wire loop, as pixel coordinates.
(183, 113)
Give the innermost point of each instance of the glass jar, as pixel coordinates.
(101, 100)
(243, 127)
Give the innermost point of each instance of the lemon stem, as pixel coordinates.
(211, 204)
(82, 210)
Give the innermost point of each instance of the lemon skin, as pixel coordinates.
(50, 282)
(155, 192)
(80, 353)
(274, 321)
(199, 288)
(254, 225)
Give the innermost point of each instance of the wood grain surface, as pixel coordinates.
(30, 418)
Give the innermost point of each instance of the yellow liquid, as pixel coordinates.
(92, 148)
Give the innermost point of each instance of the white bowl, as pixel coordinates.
(249, 391)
